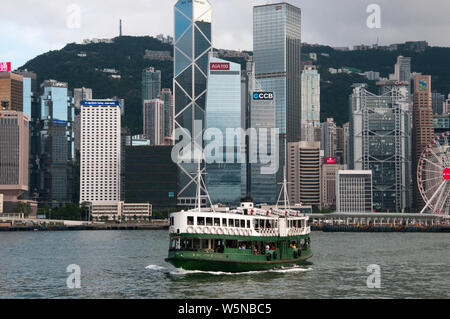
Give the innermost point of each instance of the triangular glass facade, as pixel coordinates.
(192, 44)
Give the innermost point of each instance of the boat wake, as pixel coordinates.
(182, 272)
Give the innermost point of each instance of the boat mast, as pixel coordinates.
(201, 184)
(199, 188)
(284, 189)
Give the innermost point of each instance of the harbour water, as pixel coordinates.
(130, 264)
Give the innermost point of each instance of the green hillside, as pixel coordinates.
(126, 55)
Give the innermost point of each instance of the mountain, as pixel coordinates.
(82, 64)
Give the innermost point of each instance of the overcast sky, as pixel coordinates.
(30, 27)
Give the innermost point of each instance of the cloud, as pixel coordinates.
(33, 27)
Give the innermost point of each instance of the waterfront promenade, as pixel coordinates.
(335, 222)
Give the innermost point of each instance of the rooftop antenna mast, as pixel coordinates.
(120, 28)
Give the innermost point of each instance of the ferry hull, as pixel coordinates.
(234, 266)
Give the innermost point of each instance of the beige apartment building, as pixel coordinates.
(14, 140)
(303, 170)
(423, 130)
(328, 184)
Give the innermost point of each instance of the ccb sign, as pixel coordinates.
(263, 96)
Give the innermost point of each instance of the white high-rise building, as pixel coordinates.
(79, 95)
(310, 103)
(154, 118)
(100, 152)
(354, 191)
(329, 138)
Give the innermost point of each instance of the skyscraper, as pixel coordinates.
(223, 112)
(79, 95)
(55, 154)
(277, 52)
(11, 91)
(310, 103)
(169, 110)
(438, 102)
(354, 191)
(31, 108)
(14, 142)
(262, 185)
(380, 141)
(30, 96)
(154, 118)
(403, 71)
(422, 127)
(100, 152)
(304, 173)
(329, 138)
(191, 48)
(328, 174)
(151, 83)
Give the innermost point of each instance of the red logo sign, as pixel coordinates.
(446, 174)
(219, 66)
(5, 66)
(331, 160)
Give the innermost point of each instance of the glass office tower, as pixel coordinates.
(56, 144)
(380, 141)
(277, 54)
(192, 45)
(310, 103)
(151, 83)
(223, 111)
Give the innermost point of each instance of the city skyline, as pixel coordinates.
(325, 22)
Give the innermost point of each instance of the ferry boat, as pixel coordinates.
(240, 240)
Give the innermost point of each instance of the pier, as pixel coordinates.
(25, 224)
(379, 222)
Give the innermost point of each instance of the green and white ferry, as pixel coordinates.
(240, 240)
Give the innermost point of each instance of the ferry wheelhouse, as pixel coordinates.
(239, 240)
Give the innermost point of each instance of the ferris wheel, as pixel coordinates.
(433, 175)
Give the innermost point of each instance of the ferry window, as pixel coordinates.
(236, 223)
(201, 221)
(261, 223)
(231, 223)
(248, 224)
(209, 221)
(231, 244)
(216, 221)
(187, 244)
(190, 220)
(205, 244)
(224, 222)
(196, 244)
(172, 221)
(242, 223)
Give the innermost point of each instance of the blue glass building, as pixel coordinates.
(55, 153)
(151, 84)
(223, 111)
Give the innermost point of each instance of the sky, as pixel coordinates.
(29, 27)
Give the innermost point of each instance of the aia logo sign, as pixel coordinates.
(219, 66)
(446, 174)
(5, 66)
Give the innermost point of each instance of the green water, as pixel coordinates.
(130, 264)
